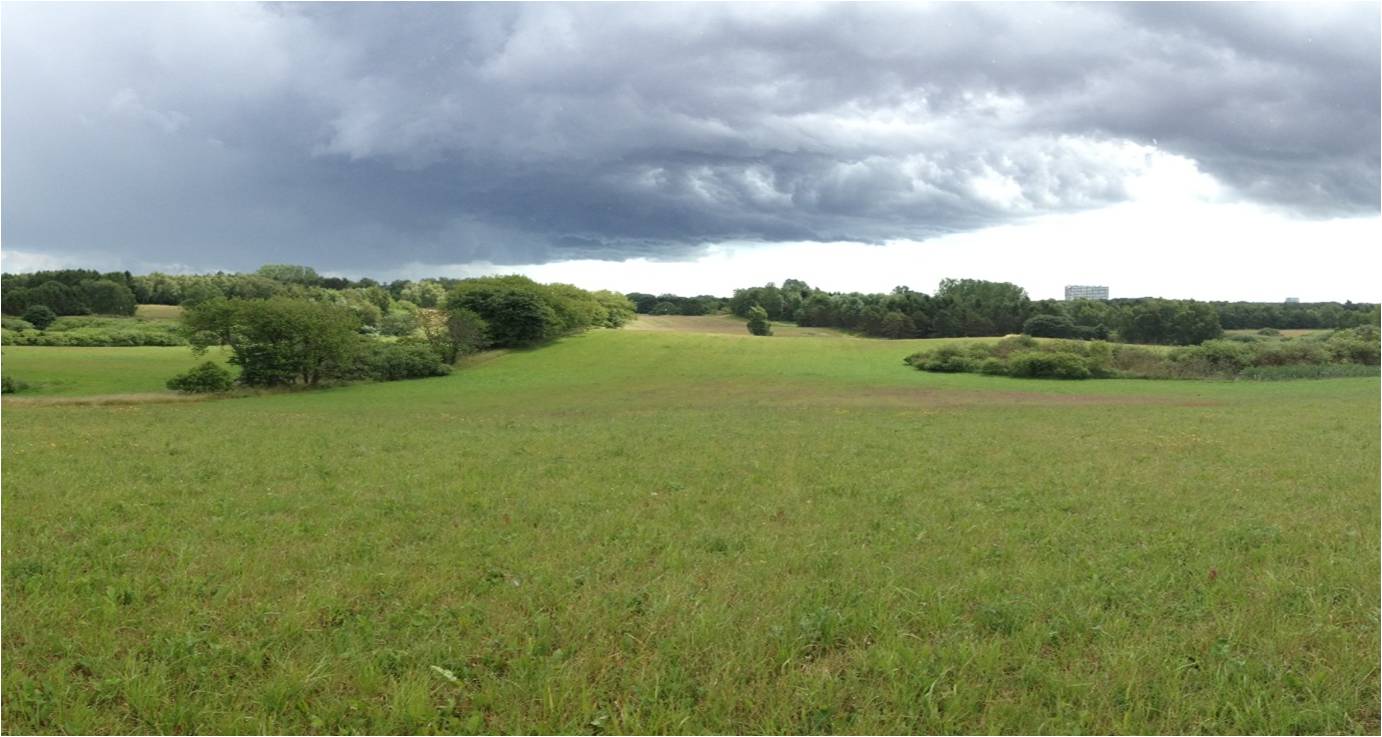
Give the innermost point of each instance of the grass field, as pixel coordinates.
(83, 372)
(672, 531)
(158, 312)
(724, 325)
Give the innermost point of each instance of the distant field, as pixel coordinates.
(724, 325)
(664, 531)
(1287, 333)
(158, 312)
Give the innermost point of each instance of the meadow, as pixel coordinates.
(671, 529)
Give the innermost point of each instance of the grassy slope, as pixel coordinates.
(651, 532)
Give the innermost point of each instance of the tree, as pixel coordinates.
(425, 293)
(454, 332)
(290, 273)
(1170, 321)
(275, 341)
(40, 316)
(516, 314)
(976, 307)
(618, 309)
(60, 298)
(896, 325)
(105, 297)
(1049, 326)
(758, 321)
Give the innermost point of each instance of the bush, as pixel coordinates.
(1355, 345)
(204, 379)
(948, 359)
(11, 385)
(1223, 356)
(1016, 344)
(1308, 371)
(1048, 365)
(394, 361)
(15, 324)
(758, 321)
(399, 323)
(40, 316)
(993, 367)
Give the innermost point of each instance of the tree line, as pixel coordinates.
(976, 308)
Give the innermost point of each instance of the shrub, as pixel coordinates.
(948, 359)
(1099, 357)
(394, 361)
(1223, 356)
(204, 379)
(40, 316)
(1355, 345)
(1307, 371)
(1290, 354)
(758, 321)
(993, 367)
(399, 323)
(1048, 365)
(1015, 344)
(11, 385)
(15, 323)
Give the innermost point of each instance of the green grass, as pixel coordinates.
(80, 372)
(671, 532)
(158, 312)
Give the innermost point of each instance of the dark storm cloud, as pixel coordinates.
(364, 136)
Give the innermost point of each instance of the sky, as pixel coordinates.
(1205, 150)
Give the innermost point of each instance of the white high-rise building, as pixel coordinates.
(1080, 291)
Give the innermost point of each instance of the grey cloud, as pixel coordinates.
(359, 136)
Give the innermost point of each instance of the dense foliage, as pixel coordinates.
(39, 316)
(453, 332)
(284, 340)
(68, 292)
(277, 341)
(671, 304)
(1347, 352)
(758, 321)
(206, 378)
(519, 311)
(88, 331)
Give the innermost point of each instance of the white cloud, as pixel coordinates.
(1167, 246)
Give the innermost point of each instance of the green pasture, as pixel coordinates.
(667, 531)
(81, 372)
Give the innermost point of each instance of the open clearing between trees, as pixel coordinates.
(665, 531)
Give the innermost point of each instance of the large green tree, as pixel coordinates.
(276, 341)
